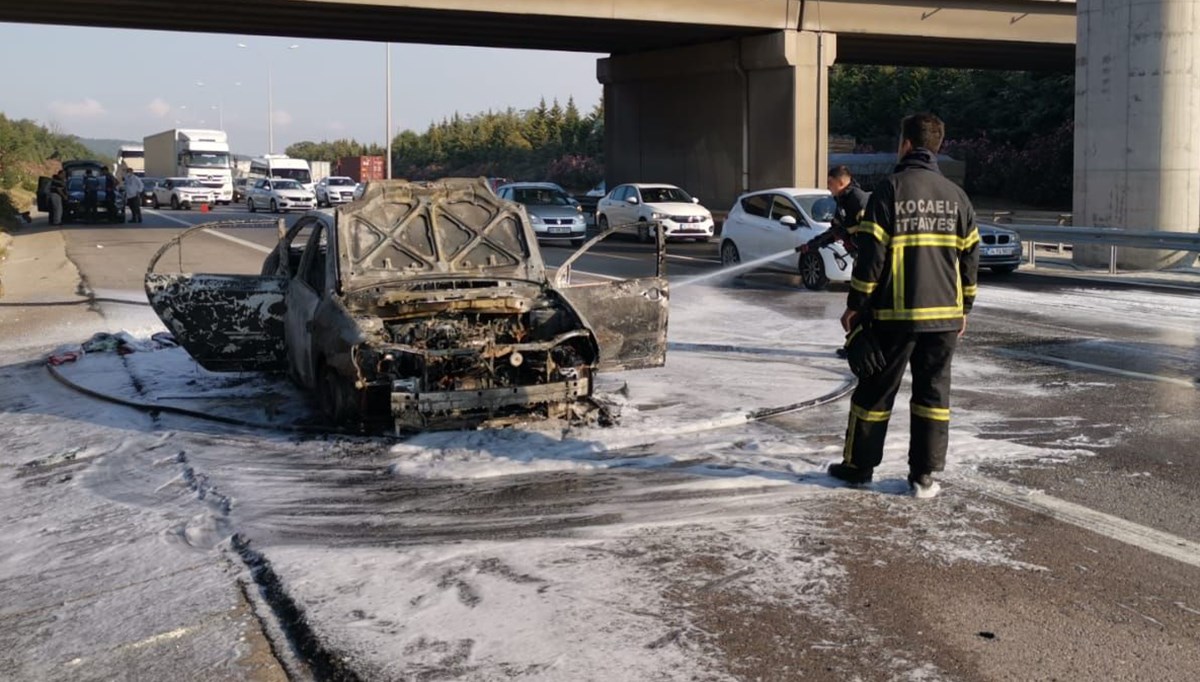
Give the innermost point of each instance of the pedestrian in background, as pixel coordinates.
(58, 197)
(91, 194)
(133, 196)
(914, 283)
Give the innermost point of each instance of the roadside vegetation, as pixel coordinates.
(1013, 129)
(29, 150)
(548, 142)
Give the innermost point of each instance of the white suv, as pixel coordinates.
(336, 189)
(681, 215)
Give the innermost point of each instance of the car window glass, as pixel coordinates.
(782, 206)
(820, 207)
(758, 205)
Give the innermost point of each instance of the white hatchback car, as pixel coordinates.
(680, 214)
(775, 222)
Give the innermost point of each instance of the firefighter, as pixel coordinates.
(913, 284)
(851, 202)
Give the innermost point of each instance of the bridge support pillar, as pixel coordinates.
(1137, 123)
(720, 118)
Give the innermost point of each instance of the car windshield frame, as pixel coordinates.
(285, 183)
(300, 175)
(536, 196)
(190, 183)
(664, 195)
(809, 202)
(197, 159)
(340, 182)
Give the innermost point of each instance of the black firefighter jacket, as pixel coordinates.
(918, 250)
(851, 204)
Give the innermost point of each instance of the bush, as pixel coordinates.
(1038, 173)
(575, 172)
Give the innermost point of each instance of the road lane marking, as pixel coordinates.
(241, 242)
(1116, 528)
(1186, 383)
(169, 217)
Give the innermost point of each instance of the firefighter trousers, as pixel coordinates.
(929, 354)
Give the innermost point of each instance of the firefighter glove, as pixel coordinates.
(862, 351)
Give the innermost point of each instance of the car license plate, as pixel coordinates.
(560, 230)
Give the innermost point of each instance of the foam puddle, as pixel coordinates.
(731, 271)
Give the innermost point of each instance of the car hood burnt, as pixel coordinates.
(399, 235)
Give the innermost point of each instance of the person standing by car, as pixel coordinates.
(133, 196)
(58, 197)
(913, 285)
(110, 196)
(851, 202)
(91, 193)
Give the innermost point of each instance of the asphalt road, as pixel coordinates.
(1102, 579)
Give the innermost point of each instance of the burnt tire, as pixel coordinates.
(729, 254)
(812, 271)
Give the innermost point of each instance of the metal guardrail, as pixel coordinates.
(1111, 237)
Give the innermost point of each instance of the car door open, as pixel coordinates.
(227, 322)
(628, 317)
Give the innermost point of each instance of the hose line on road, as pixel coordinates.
(757, 415)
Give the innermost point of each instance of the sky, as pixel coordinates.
(126, 84)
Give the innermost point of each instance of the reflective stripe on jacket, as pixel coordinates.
(918, 250)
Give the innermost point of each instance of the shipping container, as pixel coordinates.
(361, 168)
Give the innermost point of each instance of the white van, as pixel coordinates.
(283, 166)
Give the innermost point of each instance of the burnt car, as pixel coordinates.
(424, 305)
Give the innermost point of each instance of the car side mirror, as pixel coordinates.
(789, 221)
(632, 200)
(695, 200)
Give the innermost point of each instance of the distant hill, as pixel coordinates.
(105, 148)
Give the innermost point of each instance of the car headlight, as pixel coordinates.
(658, 216)
(533, 218)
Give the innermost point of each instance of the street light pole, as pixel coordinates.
(270, 96)
(270, 110)
(388, 91)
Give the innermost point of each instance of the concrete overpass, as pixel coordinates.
(724, 95)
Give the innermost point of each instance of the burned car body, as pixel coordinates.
(421, 305)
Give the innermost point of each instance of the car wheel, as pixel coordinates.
(1004, 269)
(250, 206)
(643, 232)
(578, 242)
(602, 223)
(274, 206)
(174, 203)
(154, 202)
(812, 271)
(729, 254)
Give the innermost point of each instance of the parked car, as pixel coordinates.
(598, 191)
(554, 214)
(148, 185)
(776, 221)
(335, 189)
(999, 249)
(680, 214)
(278, 195)
(240, 185)
(181, 193)
(77, 179)
(425, 305)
